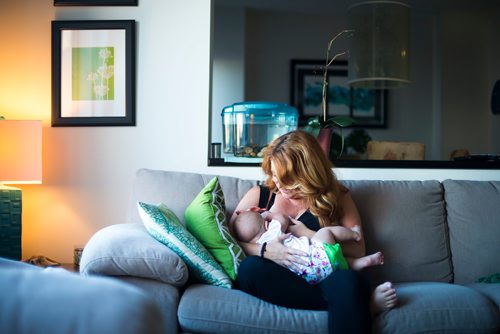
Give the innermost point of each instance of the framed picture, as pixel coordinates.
(95, 2)
(93, 73)
(366, 106)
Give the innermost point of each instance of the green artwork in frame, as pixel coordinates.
(93, 73)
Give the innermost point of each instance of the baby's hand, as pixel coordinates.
(299, 229)
(357, 229)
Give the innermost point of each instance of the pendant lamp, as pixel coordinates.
(379, 50)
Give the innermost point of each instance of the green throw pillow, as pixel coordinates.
(165, 227)
(206, 220)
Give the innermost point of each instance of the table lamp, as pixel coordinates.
(20, 163)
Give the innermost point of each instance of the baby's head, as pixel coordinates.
(248, 226)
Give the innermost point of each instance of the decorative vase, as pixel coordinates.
(324, 139)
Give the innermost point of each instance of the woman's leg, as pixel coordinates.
(277, 285)
(346, 292)
(348, 297)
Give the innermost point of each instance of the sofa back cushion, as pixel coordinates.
(178, 189)
(406, 221)
(474, 221)
(403, 219)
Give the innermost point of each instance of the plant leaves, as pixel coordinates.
(312, 130)
(314, 122)
(340, 121)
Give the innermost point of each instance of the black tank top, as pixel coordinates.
(307, 217)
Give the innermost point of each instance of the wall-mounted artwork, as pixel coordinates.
(366, 106)
(93, 73)
(95, 2)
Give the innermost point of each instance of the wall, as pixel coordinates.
(467, 91)
(228, 54)
(305, 36)
(450, 81)
(88, 171)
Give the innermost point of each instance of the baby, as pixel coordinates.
(324, 252)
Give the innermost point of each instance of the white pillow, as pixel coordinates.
(129, 250)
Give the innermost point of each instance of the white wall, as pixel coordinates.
(88, 171)
(228, 54)
(305, 36)
(453, 66)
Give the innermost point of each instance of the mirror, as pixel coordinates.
(454, 65)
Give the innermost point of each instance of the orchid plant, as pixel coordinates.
(315, 124)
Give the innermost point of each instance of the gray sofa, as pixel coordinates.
(53, 300)
(438, 239)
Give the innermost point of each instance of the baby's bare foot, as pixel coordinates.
(383, 298)
(376, 259)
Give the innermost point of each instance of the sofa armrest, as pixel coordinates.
(53, 300)
(128, 250)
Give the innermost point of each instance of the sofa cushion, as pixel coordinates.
(206, 219)
(165, 227)
(406, 221)
(423, 308)
(473, 206)
(490, 290)
(128, 250)
(53, 300)
(209, 309)
(430, 307)
(178, 189)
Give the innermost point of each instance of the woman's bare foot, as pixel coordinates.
(383, 298)
(375, 259)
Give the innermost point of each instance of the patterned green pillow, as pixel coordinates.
(164, 226)
(206, 219)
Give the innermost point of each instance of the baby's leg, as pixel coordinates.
(333, 234)
(357, 264)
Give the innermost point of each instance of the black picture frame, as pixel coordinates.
(95, 2)
(367, 107)
(93, 73)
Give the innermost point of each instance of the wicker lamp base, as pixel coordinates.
(10, 222)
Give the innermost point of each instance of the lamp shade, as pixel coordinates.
(379, 50)
(20, 152)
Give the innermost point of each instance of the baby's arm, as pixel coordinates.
(333, 234)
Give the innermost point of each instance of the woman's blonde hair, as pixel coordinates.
(302, 167)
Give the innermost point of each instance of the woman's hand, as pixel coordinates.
(288, 257)
(252, 208)
(298, 229)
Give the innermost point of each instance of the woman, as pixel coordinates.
(300, 184)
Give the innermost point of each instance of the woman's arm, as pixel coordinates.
(249, 200)
(350, 219)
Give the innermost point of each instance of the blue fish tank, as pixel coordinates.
(248, 127)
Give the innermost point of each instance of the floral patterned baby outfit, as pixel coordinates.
(323, 259)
